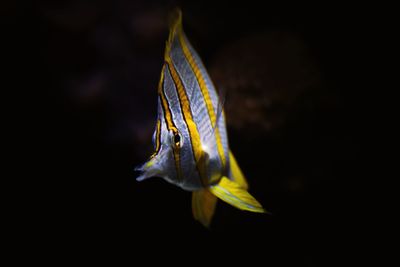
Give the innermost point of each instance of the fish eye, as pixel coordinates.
(176, 139)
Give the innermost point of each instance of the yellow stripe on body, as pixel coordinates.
(204, 90)
(158, 134)
(170, 123)
(188, 118)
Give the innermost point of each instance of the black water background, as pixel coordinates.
(89, 205)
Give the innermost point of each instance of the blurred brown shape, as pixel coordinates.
(263, 75)
(74, 16)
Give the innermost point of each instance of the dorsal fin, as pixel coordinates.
(175, 27)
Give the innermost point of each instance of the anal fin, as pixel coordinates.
(236, 173)
(203, 206)
(235, 195)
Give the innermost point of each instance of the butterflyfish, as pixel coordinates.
(190, 138)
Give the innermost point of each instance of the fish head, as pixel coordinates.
(161, 162)
(172, 159)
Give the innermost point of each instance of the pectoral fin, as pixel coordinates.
(203, 206)
(233, 194)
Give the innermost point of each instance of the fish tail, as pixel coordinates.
(235, 173)
(234, 194)
(203, 206)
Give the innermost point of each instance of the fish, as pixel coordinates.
(190, 138)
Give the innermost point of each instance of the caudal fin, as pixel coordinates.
(234, 194)
(203, 206)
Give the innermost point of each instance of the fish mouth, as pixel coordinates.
(145, 169)
(152, 167)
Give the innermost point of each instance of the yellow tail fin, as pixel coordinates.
(203, 206)
(236, 173)
(232, 193)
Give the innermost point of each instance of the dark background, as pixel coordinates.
(294, 108)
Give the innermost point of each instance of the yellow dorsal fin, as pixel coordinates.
(203, 206)
(236, 173)
(233, 194)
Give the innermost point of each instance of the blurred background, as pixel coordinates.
(293, 120)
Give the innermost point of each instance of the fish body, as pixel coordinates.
(190, 139)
